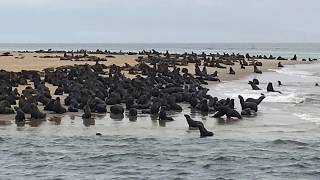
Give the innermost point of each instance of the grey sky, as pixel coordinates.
(159, 21)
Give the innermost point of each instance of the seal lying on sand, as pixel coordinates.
(231, 71)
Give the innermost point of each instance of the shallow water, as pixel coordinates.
(281, 142)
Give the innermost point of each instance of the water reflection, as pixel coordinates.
(118, 117)
(5, 122)
(35, 122)
(154, 117)
(55, 120)
(20, 123)
(87, 122)
(162, 123)
(133, 118)
(226, 121)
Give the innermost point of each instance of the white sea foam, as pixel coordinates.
(293, 72)
(308, 117)
(284, 98)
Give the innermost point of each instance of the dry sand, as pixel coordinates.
(32, 61)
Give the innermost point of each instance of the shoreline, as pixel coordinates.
(107, 70)
(39, 61)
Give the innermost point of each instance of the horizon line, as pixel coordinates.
(159, 42)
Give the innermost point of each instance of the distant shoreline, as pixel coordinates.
(39, 61)
(303, 50)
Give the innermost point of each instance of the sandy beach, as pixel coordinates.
(35, 61)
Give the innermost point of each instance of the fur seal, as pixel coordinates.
(245, 105)
(117, 109)
(197, 124)
(254, 86)
(256, 70)
(224, 110)
(231, 71)
(20, 116)
(270, 88)
(256, 101)
(133, 112)
(36, 113)
(87, 112)
(163, 115)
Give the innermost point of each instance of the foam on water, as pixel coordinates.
(292, 72)
(284, 98)
(308, 117)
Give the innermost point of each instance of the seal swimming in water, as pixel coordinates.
(197, 124)
(270, 88)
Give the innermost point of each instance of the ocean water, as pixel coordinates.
(303, 50)
(281, 142)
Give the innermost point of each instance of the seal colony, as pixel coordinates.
(156, 84)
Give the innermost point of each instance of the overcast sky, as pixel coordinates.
(152, 21)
